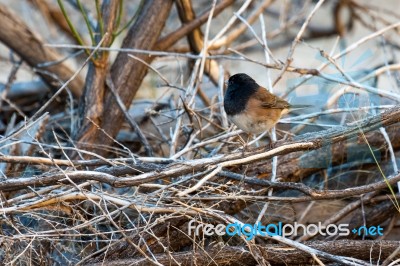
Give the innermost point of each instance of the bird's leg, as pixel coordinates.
(247, 141)
(271, 143)
(246, 144)
(242, 141)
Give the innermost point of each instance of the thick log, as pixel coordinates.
(369, 251)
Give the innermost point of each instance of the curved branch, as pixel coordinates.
(21, 39)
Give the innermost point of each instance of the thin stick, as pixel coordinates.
(201, 182)
(131, 121)
(297, 40)
(273, 132)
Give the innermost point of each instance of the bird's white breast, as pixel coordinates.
(250, 125)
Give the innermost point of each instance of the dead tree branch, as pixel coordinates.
(30, 47)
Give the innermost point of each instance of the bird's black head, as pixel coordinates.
(240, 88)
(241, 80)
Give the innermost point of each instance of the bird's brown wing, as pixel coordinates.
(264, 110)
(269, 101)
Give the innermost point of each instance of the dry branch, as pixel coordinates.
(291, 168)
(30, 47)
(166, 42)
(52, 15)
(91, 104)
(274, 254)
(126, 74)
(196, 43)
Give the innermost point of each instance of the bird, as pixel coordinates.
(251, 107)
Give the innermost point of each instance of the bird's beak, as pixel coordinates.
(226, 82)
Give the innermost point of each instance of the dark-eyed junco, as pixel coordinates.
(251, 107)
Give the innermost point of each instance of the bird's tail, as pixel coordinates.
(293, 107)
